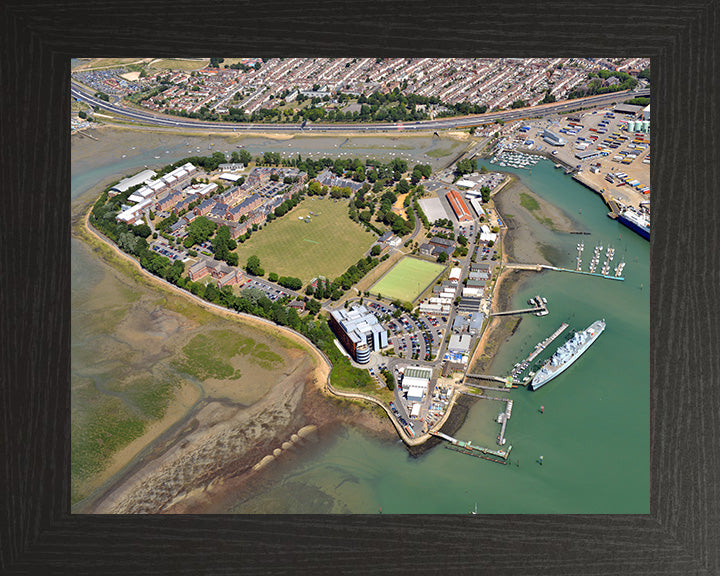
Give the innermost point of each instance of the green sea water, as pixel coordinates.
(593, 433)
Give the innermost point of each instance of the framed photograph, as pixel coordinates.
(354, 300)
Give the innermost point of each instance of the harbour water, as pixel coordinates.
(593, 433)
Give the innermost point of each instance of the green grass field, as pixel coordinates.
(180, 64)
(326, 246)
(407, 279)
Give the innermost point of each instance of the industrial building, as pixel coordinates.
(140, 178)
(630, 109)
(415, 382)
(551, 138)
(459, 207)
(472, 324)
(587, 154)
(459, 343)
(359, 331)
(477, 206)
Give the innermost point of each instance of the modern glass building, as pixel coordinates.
(359, 331)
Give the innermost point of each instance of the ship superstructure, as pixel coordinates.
(566, 354)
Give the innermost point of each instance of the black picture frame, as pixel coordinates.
(681, 535)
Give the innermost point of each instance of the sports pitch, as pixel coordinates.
(407, 279)
(326, 245)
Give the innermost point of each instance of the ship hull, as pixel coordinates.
(538, 383)
(644, 232)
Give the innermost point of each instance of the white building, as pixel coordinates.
(459, 343)
(472, 292)
(415, 382)
(455, 274)
(551, 138)
(231, 167)
(486, 235)
(230, 177)
(477, 206)
(134, 213)
(140, 178)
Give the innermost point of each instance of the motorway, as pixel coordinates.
(147, 117)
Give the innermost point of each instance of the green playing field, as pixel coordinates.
(326, 245)
(407, 279)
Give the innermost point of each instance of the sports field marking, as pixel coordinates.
(407, 279)
(313, 241)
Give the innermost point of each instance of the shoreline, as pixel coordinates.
(313, 387)
(315, 390)
(282, 135)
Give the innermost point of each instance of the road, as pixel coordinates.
(147, 117)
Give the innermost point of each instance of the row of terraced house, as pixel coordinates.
(239, 208)
(161, 193)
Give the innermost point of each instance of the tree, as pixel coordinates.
(199, 230)
(389, 379)
(359, 174)
(82, 114)
(548, 99)
(485, 191)
(465, 166)
(245, 157)
(313, 306)
(142, 230)
(442, 257)
(375, 250)
(314, 188)
(273, 277)
(290, 282)
(253, 266)
(220, 244)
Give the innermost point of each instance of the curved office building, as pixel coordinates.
(359, 331)
(362, 354)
